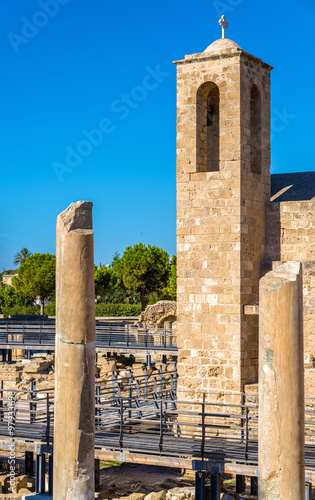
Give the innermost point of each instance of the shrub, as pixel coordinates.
(50, 309)
(21, 310)
(117, 309)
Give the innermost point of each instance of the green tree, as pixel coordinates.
(20, 257)
(12, 302)
(116, 256)
(7, 297)
(143, 269)
(37, 277)
(102, 277)
(171, 289)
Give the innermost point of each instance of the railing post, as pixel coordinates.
(33, 405)
(247, 430)
(146, 336)
(215, 486)
(97, 472)
(130, 386)
(1, 401)
(254, 485)
(161, 381)
(203, 429)
(29, 463)
(121, 422)
(113, 388)
(243, 402)
(40, 332)
(146, 381)
(200, 491)
(127, 335)
(50, 474)
(161, 426)
(48, 419)
(130, 394)
(40, 473)
(308, 491)
(240, 483)
(98, 402)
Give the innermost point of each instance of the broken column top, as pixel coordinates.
(77, 216)
(287, 271)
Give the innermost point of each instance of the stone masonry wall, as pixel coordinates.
(255, 192)
(290, 235)
(220, 225)
(290, 230)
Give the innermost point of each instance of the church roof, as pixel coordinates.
(298, 186)
(222, 44)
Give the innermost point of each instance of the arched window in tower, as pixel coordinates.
(255, 130)
(208, 128)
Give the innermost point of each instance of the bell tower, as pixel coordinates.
(223, 183)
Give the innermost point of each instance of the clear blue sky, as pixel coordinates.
(74, 70)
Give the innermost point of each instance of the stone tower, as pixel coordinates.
(223, 184)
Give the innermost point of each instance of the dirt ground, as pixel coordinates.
(125, 479)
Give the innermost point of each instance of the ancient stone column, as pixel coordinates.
(281, 385)
(75, 356)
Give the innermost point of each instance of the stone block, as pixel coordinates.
(156, 495)
(38, 366)
(133, 496)
(186, 493)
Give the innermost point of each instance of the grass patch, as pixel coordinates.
(105, 464)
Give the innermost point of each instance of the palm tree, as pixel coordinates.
(21, 256)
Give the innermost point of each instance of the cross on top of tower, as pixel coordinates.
(223, 22)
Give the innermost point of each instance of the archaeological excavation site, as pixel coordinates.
(208, 397)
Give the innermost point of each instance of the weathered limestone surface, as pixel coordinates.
(220, 215)
(290, 231)
(155, 314)
(75, 355)
(281, 385)
(308, 278)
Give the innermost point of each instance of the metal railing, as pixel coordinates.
(29, 418)
(145, 414)
(108, 335)
(224, 431)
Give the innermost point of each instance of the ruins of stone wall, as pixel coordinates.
(290, 231)
(220, 226)
(155, 314)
